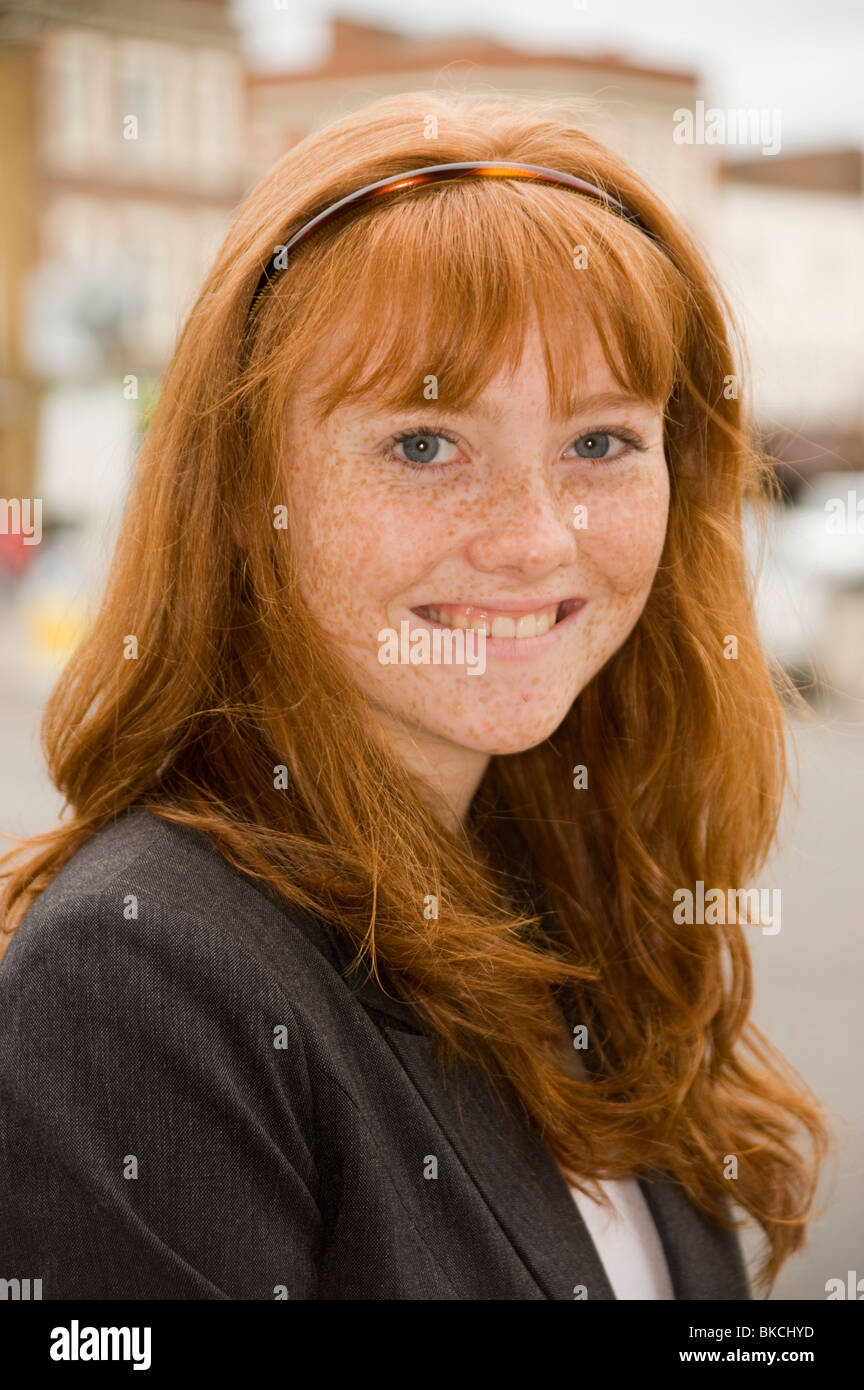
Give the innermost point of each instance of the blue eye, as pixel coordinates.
(428, 448)
(421, 447)
(597, 444)
(593, 446)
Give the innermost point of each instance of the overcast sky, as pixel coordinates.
(805, 57)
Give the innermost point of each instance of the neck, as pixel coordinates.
(446, 775)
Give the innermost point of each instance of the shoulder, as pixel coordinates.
(142, 975)
(157, 898)
(148, 1031)
(149, 942)
(149, 954)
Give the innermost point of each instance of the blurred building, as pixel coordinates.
(122, 149)
(791, 251)
(631, 106)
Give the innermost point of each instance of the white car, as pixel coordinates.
(810, 602)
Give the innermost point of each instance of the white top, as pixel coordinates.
(626, 1240)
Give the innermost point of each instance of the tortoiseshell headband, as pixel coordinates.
(434, 173)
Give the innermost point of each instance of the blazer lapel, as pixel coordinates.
(516, 1175)
(340, 952)
(704, 1259)
(505, 1158)
(513, 1172)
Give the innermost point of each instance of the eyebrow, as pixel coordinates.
(599, 400)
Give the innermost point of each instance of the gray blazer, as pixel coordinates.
(195, 1104)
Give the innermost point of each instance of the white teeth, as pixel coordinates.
(501, 625)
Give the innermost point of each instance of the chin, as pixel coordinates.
(509, 739)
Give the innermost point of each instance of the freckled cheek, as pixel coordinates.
(329, 537)
(409, 544)
(624, 538)
(367, 543)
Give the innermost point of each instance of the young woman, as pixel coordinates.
(355, 971)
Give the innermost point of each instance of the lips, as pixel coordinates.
(507, 620)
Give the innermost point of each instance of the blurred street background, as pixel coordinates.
(129, 134)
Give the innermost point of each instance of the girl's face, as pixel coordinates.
(499, 518)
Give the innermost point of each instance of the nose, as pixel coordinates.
(526, 527)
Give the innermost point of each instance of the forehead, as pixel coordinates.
(459, 296)
(593, 382)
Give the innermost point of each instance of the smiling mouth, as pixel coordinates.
(495, 622)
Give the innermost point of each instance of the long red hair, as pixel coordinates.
(685, 748)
